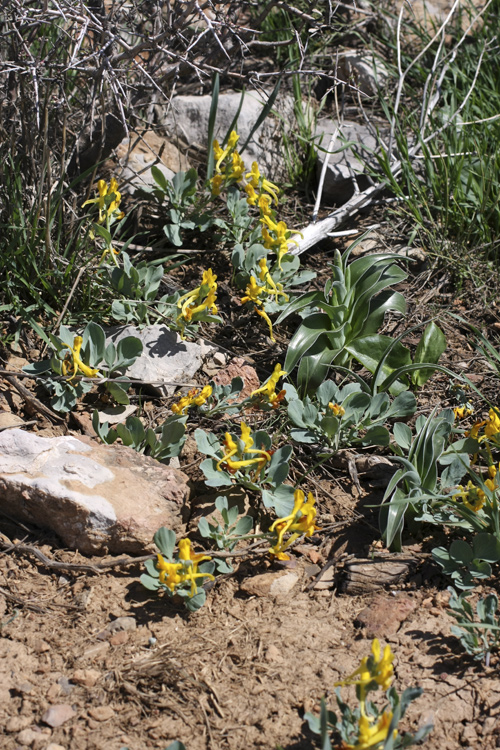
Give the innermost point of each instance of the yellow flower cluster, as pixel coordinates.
(258, 294)
(260, 192)
(198, 301)
(73, 362)
(461, 412)
(112, 209)
(239, 448)
(374, 670)
(338, 411)
(268, 390)
(174, 574)
(194, 397)
(300, 521)
(491, 427)
(372, 732)
(471, 496)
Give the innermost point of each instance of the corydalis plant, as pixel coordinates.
(368, 727)
(179, 574)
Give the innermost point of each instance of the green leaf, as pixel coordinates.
(118, 393)
(153, 584)
(38, 368)
(207, 443)
(151, 568)
(165, 541)
(486, 547)
(402, 435)
(160, 178)
(461, 552)
(214, 478)
(244, 526)
(429, 350)
(376, 435)
(127, 350)
(371, 350)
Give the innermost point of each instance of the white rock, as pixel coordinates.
(137, 154)
(366, 72)
(96, 498)
(187, 118)
(165, 360)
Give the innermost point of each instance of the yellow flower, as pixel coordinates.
(471, 496)
(238, 167)
(73, 362)
(372, 732)
(193, 397)
(373, 668)
(264, 204)
(112, 211)
(190, 561)
(270, 188)
(200, 299)
(253, 291)
(338, 411)
(254, 175)
(206, 392)
(274, 289)
(220, 154)
(169, 573)
(216, 184)
(269, 388)
(300, 521)
(233, 449)
(492, 426)
(461, 412)
(252, 195)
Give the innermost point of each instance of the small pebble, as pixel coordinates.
(219, 359)
(56, 716)
(102, 713)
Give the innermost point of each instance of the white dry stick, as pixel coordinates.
(323, 174)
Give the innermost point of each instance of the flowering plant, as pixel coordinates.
(178, 574)
(249, 460)
(368, 727)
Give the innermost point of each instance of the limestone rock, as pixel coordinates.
(187, 119)
(137, 154)
(363, 70)
(270, 584)
(166, 360)
(96, 498)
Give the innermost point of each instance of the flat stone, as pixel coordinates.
(270, 584)
(9, 420)
(86, 677)
(137, 154)
(53, 746)
(56, 716)
(384, 615)
(102, 713)
(187, 119)
(166, 361)
(365, 71)
(97, 498)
